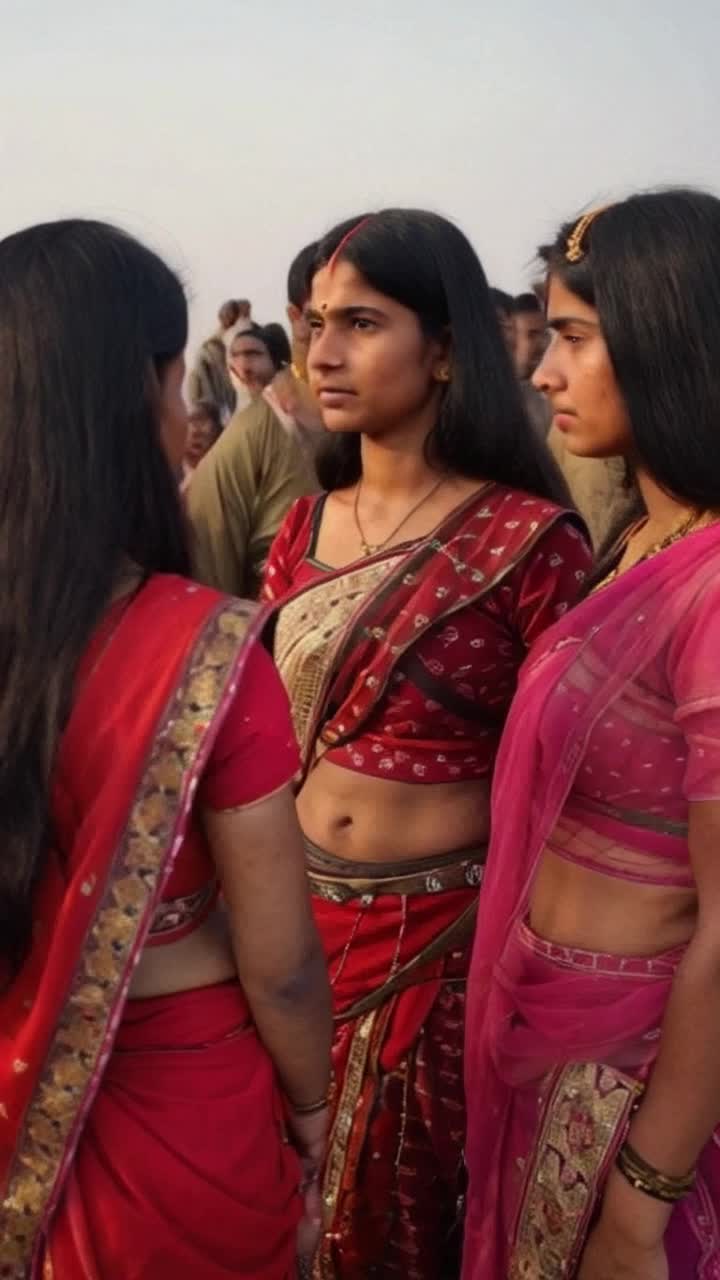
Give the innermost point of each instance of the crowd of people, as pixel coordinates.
(359, 773)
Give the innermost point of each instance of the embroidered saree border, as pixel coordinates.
(327, 606)
(82, 1039)
(586, 1114)
(365, 1047)
(333, 700)
(478, 582)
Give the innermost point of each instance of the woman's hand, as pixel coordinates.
(609, 1256)
(309, 1135)
(627, 1243)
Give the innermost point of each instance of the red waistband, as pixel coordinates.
(184, 1019)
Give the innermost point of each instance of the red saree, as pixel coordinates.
(116, 1116)
(615, 730)
(397, 934)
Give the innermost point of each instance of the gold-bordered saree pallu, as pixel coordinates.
(560, 1040)
(339, 638)
(561, 1133)
(160, 688)
(397, 940)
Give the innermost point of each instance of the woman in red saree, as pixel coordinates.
(152, 1105)
(592, 1052)
(409, 593)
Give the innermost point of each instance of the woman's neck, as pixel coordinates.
(395, 468)
(664, 510)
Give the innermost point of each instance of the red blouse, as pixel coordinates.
(254, 754)
(444, 711)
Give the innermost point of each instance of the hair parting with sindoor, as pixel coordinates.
(89, 320)
(426, 263)
(650, 265)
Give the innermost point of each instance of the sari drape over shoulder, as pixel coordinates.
(615, 729)
(145, 716)
(396, 934)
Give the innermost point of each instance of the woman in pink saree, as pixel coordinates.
(593, 1028)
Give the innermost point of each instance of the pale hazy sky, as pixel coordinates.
(229, 133)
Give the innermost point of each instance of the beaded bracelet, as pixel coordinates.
(643, 1177)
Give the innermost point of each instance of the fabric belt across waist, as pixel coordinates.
(337, 880)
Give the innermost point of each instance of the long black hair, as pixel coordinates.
(651, 268)
(89, 318)
(300, 275)
(427, 264)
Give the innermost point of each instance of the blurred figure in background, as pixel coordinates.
(254, 357)
(534, 404)
(292, 395)
(260, 365)
(598, 486)
(203, 430)
(530, 334)
(209, 380)
(530, 343)
(505, 311)
(244, 321)
(242, 490)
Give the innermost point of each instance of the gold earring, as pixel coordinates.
(443, 375)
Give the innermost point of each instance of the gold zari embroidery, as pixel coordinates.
(585, 1119)
(309, 629)
(341, 1132)
(82, 1034)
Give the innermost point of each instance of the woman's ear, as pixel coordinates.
(442, 364)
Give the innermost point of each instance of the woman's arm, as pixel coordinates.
(681, 1106)
(259, 854)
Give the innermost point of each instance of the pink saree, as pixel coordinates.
(614, 730)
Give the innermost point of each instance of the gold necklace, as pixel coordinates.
(696, 520)
(371, 549)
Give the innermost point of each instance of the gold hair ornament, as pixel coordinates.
(574, 249)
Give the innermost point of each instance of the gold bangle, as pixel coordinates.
(309, 1108)
(643, 1177)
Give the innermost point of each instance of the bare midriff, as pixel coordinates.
(366, 819)
(201, 959)
(579, 907)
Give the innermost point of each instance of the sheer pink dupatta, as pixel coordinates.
(573, 674)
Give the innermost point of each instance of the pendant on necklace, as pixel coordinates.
(367, 550)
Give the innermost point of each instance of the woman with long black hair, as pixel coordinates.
(407, 593)
(593, 1050)
(145, 759)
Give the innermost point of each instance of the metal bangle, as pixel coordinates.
(309, 1108)
(643, 1177)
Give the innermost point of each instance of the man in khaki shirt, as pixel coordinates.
(239, 496)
